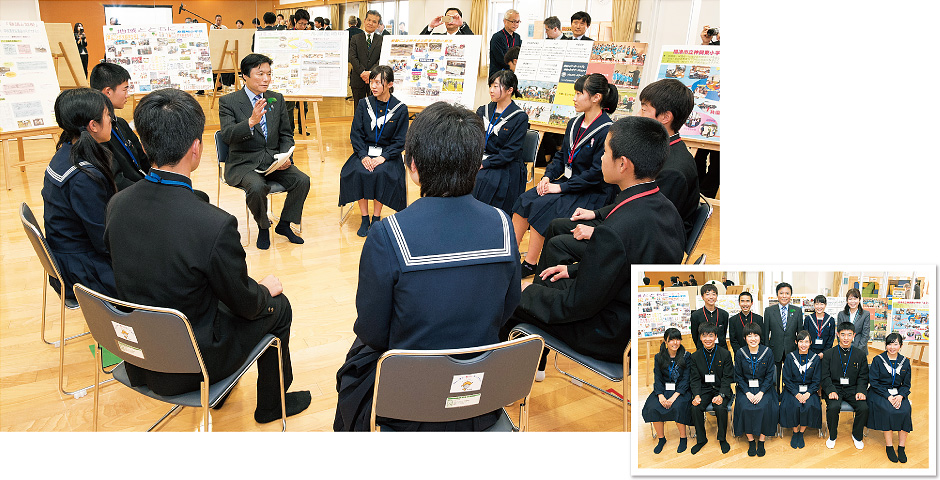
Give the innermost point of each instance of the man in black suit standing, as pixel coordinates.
(364, 51)
(781, 322)
(171, 249)
(455, 26)
(580, 22)
(255, 126)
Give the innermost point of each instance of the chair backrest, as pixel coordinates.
(700, 260)
(34, 233)
(433, 386)
(221, 148)
(702, 213)
(530, 146)
(157, 339)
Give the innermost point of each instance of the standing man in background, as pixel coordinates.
(455, 26)
(552, 28)
(503, 40)
(353, 29)
(580, 22)
(364, 50)
(781, 323)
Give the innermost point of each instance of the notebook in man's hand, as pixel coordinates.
(279, 160)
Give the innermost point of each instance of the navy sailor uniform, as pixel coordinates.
(821, 332)
(749, 418)
(586, 187)
(386, 183)
(801, 370)
(668, 371)
(444, 273)
(73, 215)
(883, 416)
(502, 178)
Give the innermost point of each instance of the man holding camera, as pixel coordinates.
(452, 21)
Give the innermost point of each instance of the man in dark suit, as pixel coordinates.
(781, 322)
(171, 249)
(353, 29)
(255, 127)
(580, 22)
(503, 40)
(455, 26)
(364, 51)
(585, 300)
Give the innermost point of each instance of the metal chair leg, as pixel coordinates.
(344, 216)
(42, 332)
(585, 382)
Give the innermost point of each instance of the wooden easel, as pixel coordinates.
(61, 34)
(301, 100)
(55, 59)
(231, 56)
(18, 136)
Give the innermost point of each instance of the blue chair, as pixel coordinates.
(702, 213)
(530, 148)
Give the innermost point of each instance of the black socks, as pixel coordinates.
(527, 269)
(902, 457)
(283, 228)
(725, 446)
(295, 402)
(698, 446)
(760, 448)
(751, 448)
(891, 456)
(364, 227)
(662, 442)
(682, 445)
(264, 239)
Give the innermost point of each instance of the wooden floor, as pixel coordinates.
(319, 278)
(779, 453)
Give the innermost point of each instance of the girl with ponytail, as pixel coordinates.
(76, 188)
(573, 180)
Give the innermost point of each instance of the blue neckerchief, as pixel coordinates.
(152, 177)
(803, 372)
(673, 371)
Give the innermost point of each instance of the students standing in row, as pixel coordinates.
(744, 318)
(710, 313)
(821, 325)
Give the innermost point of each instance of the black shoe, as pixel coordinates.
(527, 269)
(374, 220)
(795, 440)
(725, 446)
(698, 446)
(891, 456)
(682, 445)
(363, 227)
(802, 440)
(295, 402)
(283, 228)
(760, 448)
(264, 239)
(751, 448)
(902, 457)
(659, 446)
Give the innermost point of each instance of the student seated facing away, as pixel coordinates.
(744, 318)
(845, 378)
(800, 406)
(889, 396)
(710, 381)
(423, 283)
(585, 300)
(710, 313)
(821, 326)
(171, 249)
(502, 178)
(76, 188)
(755, 408)
(375, 170)
(669, 400)
(255, 126)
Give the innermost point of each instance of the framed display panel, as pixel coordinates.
(658, 311)
(306, 62)
(28, 82)
(697, 67)
(433, 68)
(161, 56)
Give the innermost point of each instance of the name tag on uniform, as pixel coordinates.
(485, 156)
(803, 388)
(818, 341)
(375, 151)
(670, 386)
(753, 383)
(709, 378)
(568, 171)
(843, 381)
(892, 391)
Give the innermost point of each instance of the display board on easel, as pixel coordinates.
(161, 56)
(68, 63)
(239, 41)
(697, 67)
(28, 85)
(306, 62)
(433, 68)
(661, 310)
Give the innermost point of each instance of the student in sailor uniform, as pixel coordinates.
(375, 170)
(756, 410)
(441, 274)
(710, 313)
(573, 179)
(75, 191)
(669, 400)
(858, 316)
(800, 406)
(822, 327)
(889, 393)
(502, 176)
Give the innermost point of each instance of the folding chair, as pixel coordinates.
(702, 213)
(445, 386)
(611, 371)
(843, 408)
(50, 270)
(530, 148)
(221, 153)
(160, 340)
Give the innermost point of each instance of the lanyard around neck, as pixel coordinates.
(153, 177)
(634, 197)
(572, 155)
(378, 134)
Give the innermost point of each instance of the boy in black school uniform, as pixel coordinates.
(744, 318)
(711, 376)
(845, 378)
(710, 313)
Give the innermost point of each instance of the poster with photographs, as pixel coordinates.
(307, 62)
(698, 67)
(28, 82)
(661, 310)
(433, 68)
(910, 318)
(879, 309)
(548, 69)
(161, 56)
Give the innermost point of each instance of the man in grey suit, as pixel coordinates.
(364, 51)
(781, 322)
(256, 126)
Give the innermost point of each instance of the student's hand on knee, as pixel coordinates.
(582, 232)
(272, 284)
(376, 161)
(552, 188)
(717, 400)
(758, 397)
(833, 396)
(860, 396)
(697, 400)
(557, 272)
(286, 165)
(663, 401)
(540, 187)
(582, 214)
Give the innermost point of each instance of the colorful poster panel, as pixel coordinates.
(433, 68)
(547, 71)
(307, 62)
(661, 310)
(698, 67)
(161, 56)
(911, 318)
(879, 309)
(622, 64)
(28, 82)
